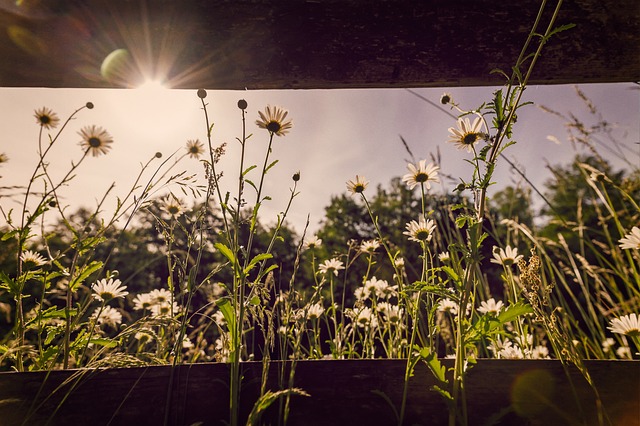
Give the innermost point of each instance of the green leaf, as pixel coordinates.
(108, 343)
(8, 235)
(432, 361)
(560, 29)
(85, 272)
(253, 185)
(255, 260)
(9, 284)
(271, 165)
(248, 169)
(226, 252)
(514, 311)
(225, 306)
(266, 400)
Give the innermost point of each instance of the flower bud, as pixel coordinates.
(242, 104)
(202, 93)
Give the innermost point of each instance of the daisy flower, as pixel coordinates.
(33, 257)
(142, 302)
(631, 240)
(511, 352)
(467, 134)
(106, 290)
(364, 317)
(358, 186)
(164, 309)
(369, 246)
(172, 206)
(3, 158)
(333, 265)
(218, 318)
(444, 257)
(195, 148)
(627, 324)
(393, 314)
(540, 352)
(607, 344)
(108, 316)
(448, 305)
(160, 296)
(382, 288)
(273, 120)
(422, 230)
(362, 293)
(624, 352)
(314, 311)
(46, 118)
(313, 242)
(95, 140)
(421, 173)
(507, 256)
(490, 306)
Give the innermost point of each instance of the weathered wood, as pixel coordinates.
(346, 392)
(266, 44)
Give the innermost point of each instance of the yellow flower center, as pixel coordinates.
(422, 234)
(421, 177)
(470, 138)
(273, 126)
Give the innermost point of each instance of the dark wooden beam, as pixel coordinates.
(305, 44)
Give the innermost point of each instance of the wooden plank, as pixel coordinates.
(305, 44)
(342, 392)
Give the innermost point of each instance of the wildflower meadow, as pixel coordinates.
(187, 270)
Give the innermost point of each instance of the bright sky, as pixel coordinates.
(336, 135)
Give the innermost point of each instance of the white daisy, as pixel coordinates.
(627, 324)
(393, 314)
(195, 148)
(160, 296)
(422, 173)
(142, 301)
(29, 256)
(313, 242)
(422, 230)
(467, 134)
(369, 246)
(631, 241)
(315, 311)
(358, 186)
(624, 352)
(448, 305)
(95, 140)
(106, 290)
(332, 265)
(273, 120)
(607, 344)
(108, 316)
(490, 306)
(507, 256)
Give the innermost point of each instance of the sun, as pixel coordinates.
(152, 86)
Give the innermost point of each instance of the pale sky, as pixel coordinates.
(336, 135)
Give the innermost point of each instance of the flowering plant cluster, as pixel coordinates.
(451, 283)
